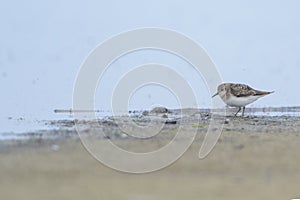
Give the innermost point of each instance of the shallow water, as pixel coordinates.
(21, 128)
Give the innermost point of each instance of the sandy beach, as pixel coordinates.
(255, 158)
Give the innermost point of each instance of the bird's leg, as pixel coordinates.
(237, 111)
(243, 111)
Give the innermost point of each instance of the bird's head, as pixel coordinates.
(222, 89)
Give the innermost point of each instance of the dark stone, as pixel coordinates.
(171, 122)
(159, 110)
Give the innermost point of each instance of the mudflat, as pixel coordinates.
(254, 158)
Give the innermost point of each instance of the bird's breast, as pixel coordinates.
(240, 101)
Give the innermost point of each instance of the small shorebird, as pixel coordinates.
(239, 95)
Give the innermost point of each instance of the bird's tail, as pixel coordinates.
(262, 93)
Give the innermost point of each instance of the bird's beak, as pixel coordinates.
(214, 95)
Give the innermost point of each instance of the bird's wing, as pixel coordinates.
(242, 90)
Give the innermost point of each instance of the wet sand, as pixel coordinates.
(255, 158)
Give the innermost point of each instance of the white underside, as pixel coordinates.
(240, 101)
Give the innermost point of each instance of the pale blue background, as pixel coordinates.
(43, 43)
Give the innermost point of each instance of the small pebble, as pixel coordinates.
(170, 122)
(123, 135)
(164, 116)
(145, 113)
(227, 121)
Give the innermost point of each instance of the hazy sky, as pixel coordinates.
(43, 44)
